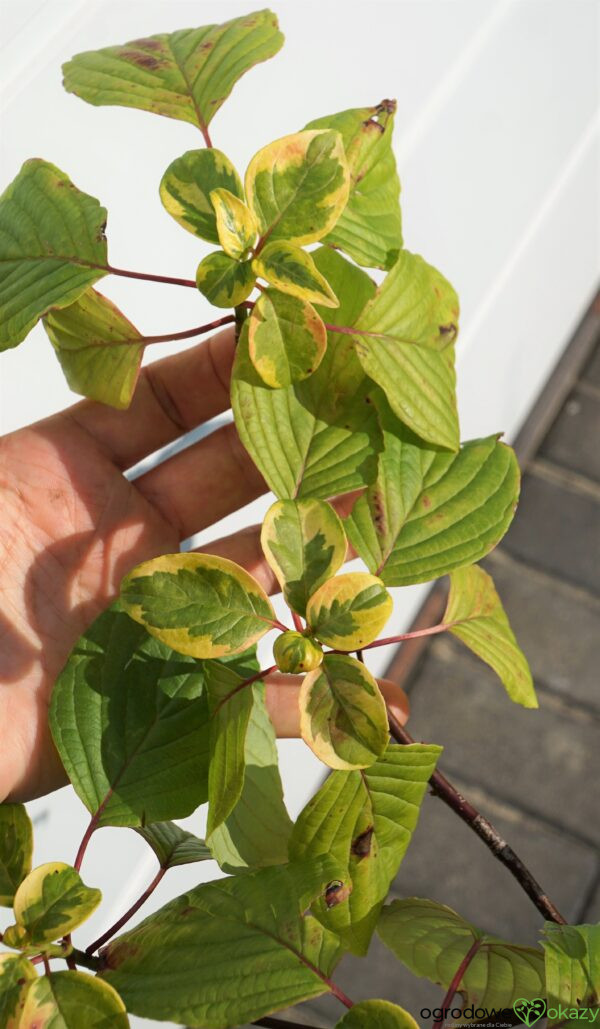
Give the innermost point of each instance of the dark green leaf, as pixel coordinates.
(230, 708)
(16, 846)
(174, 845)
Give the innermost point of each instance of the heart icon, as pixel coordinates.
(530, 1011)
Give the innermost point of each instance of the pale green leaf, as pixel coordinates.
(370, 227)
(15, 975)
(376, 1014)
(404, 343)
(475, 615)
(294, 652)
(52, 901)
(229, 951)
(52, 247)
(304, 544)
(297, 187)
(432, 940)
(349, 611)
(236, 226)
(343, 718)
(16, 846)
(185, 74)
(230, 707)
(72, 1000)
(97, 347)
(292, 270)
(198, 604)
(286, 338)
(318, 437)
(173, 845)
(572, 964)
(186, 186)
(129, 718)
(257, 831)
(366, 819)
(223, 280)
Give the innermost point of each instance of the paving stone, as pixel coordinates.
(540, 760)
(573, 439)
(557, 625)
(591, 372)
(557, 528)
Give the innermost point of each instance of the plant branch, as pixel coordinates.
(279, 1023)
(206, 135)
(298, 626)
(147, 276)
(442, 788)
(431, 631)
(128, 914)
(86, 960)
(242, 685)
(456, 981)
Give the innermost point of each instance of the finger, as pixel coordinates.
(203, 483)
(282, 699)
(172, 396)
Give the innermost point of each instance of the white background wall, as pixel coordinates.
(497, 142)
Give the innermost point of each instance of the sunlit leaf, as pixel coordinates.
(16, 846)
(186, 186)
(475, 615)
(230, 708)
(286, 338)
(349, 611)
(229, 951)
(97, 349)
(129, 718)
(15, 975)
(52, 247)
(52, 901)
(572, 966)
(236, 226)
(223, 280)
(366, 819)
(296, 653)
(72, 1000)
(343, 717)
(185, 74)
(174, 845)
(432, 940)
(198, 604)
(292, 270)
(376, 1014)
(370, 227)
(297, 186)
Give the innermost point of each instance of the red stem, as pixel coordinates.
(297, 622)
(242, 685)
(206, 134)
(341, 996)
(46, 964)
(169, 279)
(93, 825)
(128, 914)
(431, 631)
(456, 981)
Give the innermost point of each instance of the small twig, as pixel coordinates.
(298, 626)
(456, 981)
(431, 631)
(442, 788)
(147, 276)
(242, 685)
(279, 1023)
(87, 961)
(128, 914)
(206, 135)
(46, 964)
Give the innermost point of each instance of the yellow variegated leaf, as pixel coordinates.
(186, 187)
(298, 186)
(236, 225)
(52, 901)
(294, 652)
(292, 270)
(198, 604)
(349, 611)
(223, 280)
(343, 717)
(287, 338)
(72, 1000)
(15, 975)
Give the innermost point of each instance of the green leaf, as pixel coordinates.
(257, 831)
(198, 604)
(431, 512)
(349, 611)
(235, 222)
(572, 965)
(376, 1014)
(16, 847)
(174, 845)
(475, 615)
(186, 186)
(230, 709)
(73, 1000)
(286, 338)
(343, 717)
(52, 901)
(432, 940)
(15, 975)
(186, 74)
(304, 544)
(297, 187)
(291, 270)
(129, 718)
(366, 820)
(318, 437)
(223, 280)
(52, 247)
(86, 337)
(404, 343)
(294, 652)
(229, 951)
(370, 227)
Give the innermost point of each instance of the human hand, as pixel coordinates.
(72, 526)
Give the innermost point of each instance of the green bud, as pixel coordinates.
(294, 652)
